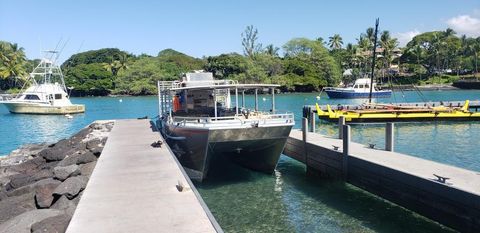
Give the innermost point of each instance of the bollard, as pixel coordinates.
(341, 123)
(312, 122)
(389, 129)
(346, 150)
(304, 137)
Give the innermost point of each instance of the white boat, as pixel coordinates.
(46, 95)
(360, 89)
(204, 130)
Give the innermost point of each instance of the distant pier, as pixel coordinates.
(139, 186)
(446, 194)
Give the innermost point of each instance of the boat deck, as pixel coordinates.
(134, 188)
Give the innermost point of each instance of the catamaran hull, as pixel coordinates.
(336, 94)
(27, 108)
(198, 149)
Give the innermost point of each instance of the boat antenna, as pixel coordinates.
(373, 61)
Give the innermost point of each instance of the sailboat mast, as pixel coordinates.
(373, 61)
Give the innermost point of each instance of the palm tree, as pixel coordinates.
(115, 66)
(272, 50)
(335, 41)
(12, 66)
(388, 44)
(449, 32)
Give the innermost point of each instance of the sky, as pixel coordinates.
(208, 28)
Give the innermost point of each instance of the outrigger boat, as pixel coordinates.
(202, 128)
(376, 112)
(395, 113)
(46, 95)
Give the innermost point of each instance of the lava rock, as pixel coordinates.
(23, 223)
(87, 169)
(28, 166)
(44, 193)
(63, 203)
(16, 205)
(71, 186)
(62, 173)
(58, 223)
(20, 180)
(86, 157)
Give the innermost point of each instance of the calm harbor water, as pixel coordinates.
(246, 201)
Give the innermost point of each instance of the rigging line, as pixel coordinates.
(56, 46)
(61, 50)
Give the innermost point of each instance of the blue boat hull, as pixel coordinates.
(335, 94)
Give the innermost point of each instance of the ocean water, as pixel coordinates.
(287, 201)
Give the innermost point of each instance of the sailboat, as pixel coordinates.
(47, 93)
(376, 112)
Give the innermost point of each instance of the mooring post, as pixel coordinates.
(312, 121)
(304, 137)
(389, 129)
(346, 150)
(341, 123)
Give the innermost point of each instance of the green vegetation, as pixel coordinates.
(302, 64)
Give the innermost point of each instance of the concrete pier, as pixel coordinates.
(446, 194)
(137, 187)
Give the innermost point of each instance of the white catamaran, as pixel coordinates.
(47, 93)
(201, 126)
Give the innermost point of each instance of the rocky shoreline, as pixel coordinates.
(41, 184)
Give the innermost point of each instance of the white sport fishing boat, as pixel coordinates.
(47, 93)
(203, 129)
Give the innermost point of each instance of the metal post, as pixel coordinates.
(215, 102)
(312, 121)
(341, 123)
(304, 137)
(236, 100)
(389, 136)
(273, 100)
(256, 100)
(243, 98)
(346, 150)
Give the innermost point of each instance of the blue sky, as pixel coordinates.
(210, 27)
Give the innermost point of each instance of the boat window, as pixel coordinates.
(361, 86)
(356, 86)
(58, 96)
(32, 97)
(366, 86)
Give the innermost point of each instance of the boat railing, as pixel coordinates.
(254, 117)
(6, 97)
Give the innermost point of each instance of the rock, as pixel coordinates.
(95, 146)
(13, 206)
(62, 148)
(23, 222)
(63, 203)
(20, 180)
(86, 157)
(44, 193)
(71, 186)
(28, 166)
(54, 224)
(53, 154)
(21, 154)
(62, 173)
(87, 169)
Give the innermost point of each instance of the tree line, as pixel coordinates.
(301, 64)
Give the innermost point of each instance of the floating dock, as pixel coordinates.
(136, 187)
(443, 193)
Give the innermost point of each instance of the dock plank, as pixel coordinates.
(133, 188)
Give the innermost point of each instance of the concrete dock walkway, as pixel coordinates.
(405, 180)
(133, 188)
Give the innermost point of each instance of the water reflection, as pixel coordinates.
(288, 201)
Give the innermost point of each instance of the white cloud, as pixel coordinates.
(465, 24)
(405, 37)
